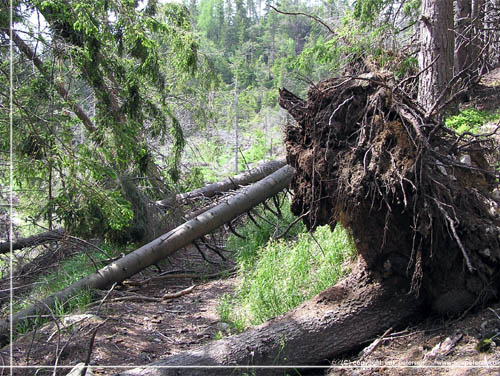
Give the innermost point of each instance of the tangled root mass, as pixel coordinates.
(416, 196)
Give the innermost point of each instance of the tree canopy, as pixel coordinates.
(95, 91)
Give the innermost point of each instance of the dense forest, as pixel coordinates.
(244, 134)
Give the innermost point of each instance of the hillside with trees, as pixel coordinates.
(333, 164)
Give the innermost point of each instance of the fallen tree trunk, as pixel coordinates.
(367, 157)
(34, 240)
(233, 183)
(334, 322)
(163, 246)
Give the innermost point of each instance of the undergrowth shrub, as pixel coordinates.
(470, 120)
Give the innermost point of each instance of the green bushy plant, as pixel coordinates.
(470, 120)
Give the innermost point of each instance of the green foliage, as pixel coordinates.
(70, 271)
(277, 275)
(258, 149)
(368, 10)
(130, 63)
(470, 120)
(286, 275)
(225, 311)
(25, 326)
(247, 250)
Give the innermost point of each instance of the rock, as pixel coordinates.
(77, 370)
(465, 159)
(223, 326)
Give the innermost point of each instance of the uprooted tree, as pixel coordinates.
(417, 200)
(415, 195)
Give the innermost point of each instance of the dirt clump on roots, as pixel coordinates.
(417, 197)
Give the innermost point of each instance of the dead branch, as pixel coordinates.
(299, 218)
(313, 17)
(231, 228)
(183, 275)
(374, 345)
(167, 296)
(105, 297)
(35, 240)
(91, 346)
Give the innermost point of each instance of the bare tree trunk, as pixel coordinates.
(235, 182)
(491, 33)
(463, 34)
(236, 129)
(436, 50)
(334, 322)
(477, 42)
(163, 246)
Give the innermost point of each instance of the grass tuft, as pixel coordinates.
(278, 275)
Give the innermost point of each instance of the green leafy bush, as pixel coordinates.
(470, 120)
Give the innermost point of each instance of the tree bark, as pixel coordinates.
(477, 42)
(334, 322)
(463, 34)
(235, 182)
(436, 50)
(32, 241)
(165, 245)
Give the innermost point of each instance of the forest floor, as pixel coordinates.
(135, 326)
(134, 331)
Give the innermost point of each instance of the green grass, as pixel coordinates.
(247, 250)
(470, 120)
(278, 275)
(68, 272)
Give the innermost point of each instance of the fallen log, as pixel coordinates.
(233, 183)
(163, 246)
(334, 322)
(367, 157)
(32, 241)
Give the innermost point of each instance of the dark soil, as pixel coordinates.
(366, 155)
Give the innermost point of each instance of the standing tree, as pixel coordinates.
(436, 51)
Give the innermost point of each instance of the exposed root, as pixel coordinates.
(414, 194)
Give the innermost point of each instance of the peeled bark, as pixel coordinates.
(334, 322)
(32, 241)
(233, 183)
(163, 246)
